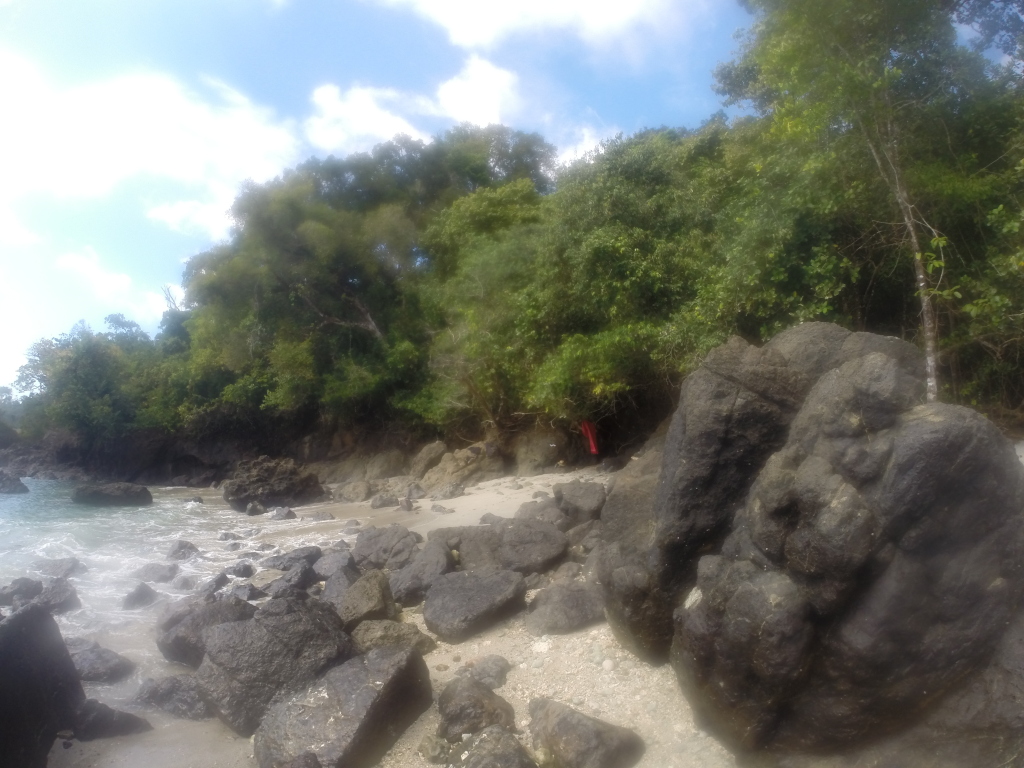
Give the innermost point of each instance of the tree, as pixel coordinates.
(878, 72)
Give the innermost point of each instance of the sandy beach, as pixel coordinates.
(587, 669)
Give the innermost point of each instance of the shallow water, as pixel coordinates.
(114, 542)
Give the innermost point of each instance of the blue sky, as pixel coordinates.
(127, 126)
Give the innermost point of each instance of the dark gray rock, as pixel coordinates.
(182, 639)
(208, 587)
(331, 562)
(39, 687)
(246, 592)
(468, 706)
(95, 720)
(11, 483)
(158, 573)
(113, 495)
(438, 509)
(368, 598)
(271, 482)
(255, 508)
(734, 412)
(282, 513)
(531, 546)
(243, 569)
(186, 582)
(581, 502)
(463, 603)
(406, 505)
(62, 568)
(374, 633)
(287, 561)
(872, 566)
(578, 741)
(178, 695)
(139, 597)
(58, 596)
(21, 589)
(351, 716)
(584, 539)
(547, 511)
(182, 550)
(490, 670)
(383, 500)
(565, 607)
(569, 571)
(493, 747)
(305, 760)
(228, 536)
(526, 546)
(410, 584)
(337, 586)
(390, 548)
(97, 664)
(284, 647)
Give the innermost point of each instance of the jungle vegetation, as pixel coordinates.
(874, 178)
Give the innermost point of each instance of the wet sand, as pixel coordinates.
(570, 668)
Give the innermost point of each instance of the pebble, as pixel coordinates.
(608, 665)
(537, 663)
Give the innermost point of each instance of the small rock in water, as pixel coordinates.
(182, 550)
(228, 536)
(195, 500)
(281, 513)
(63, 568)
(254, 508)
(159, 573)
(140, 597)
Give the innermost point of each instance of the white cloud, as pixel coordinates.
(477, 24)
(583, 141)
(357, 119)
(360, 117)
(481, 93)
(85, 265)
(83, 141)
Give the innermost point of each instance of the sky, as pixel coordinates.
(128, 126)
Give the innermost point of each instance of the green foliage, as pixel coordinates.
(463, 283)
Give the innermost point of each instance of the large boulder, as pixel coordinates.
(463, 603)
(410, 584)
(734, 412)
(523, 545)
(271, 482)
(182, 637)
(351, 716)
(390, 548)
(856, 553)
(58, 596)
(368, 598)
(112, 495)
(283, 648)
(39, 688)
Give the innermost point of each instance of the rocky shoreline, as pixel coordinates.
(830, 566)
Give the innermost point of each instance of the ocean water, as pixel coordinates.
(114, 542)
